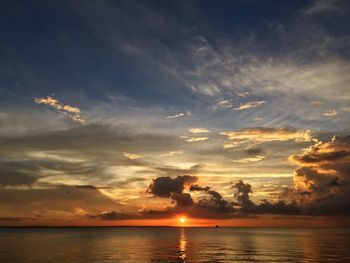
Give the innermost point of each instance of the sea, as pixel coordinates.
(174, 244)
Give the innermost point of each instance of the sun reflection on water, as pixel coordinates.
(182, 244)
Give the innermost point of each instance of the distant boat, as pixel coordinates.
(216, 226)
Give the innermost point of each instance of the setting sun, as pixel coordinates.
(182, 219)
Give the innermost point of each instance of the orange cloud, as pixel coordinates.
(257, 158)
(132, 156)
(199, 130)
(70, 111)
(262, 135)
(323, 175)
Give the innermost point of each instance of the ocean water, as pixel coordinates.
(171, 244)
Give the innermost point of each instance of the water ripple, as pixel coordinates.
(158, 245)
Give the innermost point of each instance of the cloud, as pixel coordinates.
(225, 104)
(114, 216)
(70, 111)
(171, 170)
(322, 181)
(233, 72)
(169, 154)
(242, 194)
(173, 188)
(226, 68)
(280, 207)
(17, 173)
(257, 158)
(254, 151)
(321, 187)
(51, 200)
(215, 204)
(178, 115)
(166, 186)
(323, 6)
(199, 130)
(252, 136)
(242, 191)
(93, 157)
(90, 187)
(331, 113)
(182, 199)
(132, 156)
(248, 105)
(197, 139)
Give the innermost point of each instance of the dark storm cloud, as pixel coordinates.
(16, 178)
(206, 207)
(182, 199)
(315, 157)
(265, 207)
(216, 203)
(166, 186)
(91, 187)
(12, 175)
(173, 188)
(279, 207)
(217, 207)
(242, 194)
(114, 216)
(254, 151)
(87, 187)
(214, 206)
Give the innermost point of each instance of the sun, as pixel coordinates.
(182, 219)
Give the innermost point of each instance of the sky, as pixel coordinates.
(139, 112)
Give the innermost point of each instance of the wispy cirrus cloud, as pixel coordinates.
(331, 113)
(197, 139)
(199, 130)
(178, 115)
(223, 104)
(132, 156)
(257, 158)
(249, 136)
(169, 154)
(323, 6)
(251, 104)
(68, 110)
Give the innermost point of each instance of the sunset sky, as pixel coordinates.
(234, 113)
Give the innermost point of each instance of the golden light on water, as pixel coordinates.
(183, 244)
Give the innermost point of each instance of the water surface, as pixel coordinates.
(169, 244)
